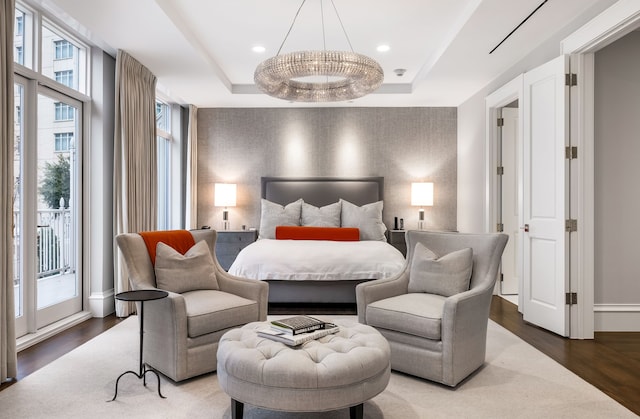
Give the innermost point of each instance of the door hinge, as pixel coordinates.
(501, 277)
(499, 227)
(570, 152)
(571, 225)
(571, 298)
(500, 122)
(500, 170)
(571, 79)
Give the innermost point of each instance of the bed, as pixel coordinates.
(319, 271)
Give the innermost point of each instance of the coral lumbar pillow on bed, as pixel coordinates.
(317, 233)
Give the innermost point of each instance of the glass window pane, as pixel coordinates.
(56, 271)
(62, 59)
(22, 38)
(164, 194)
(17, 193)
(163, 119)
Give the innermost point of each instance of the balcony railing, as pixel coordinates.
(54, 243)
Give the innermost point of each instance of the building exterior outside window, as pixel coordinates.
(62, 141)
(63, 49)
(63, 112)
(64, 77)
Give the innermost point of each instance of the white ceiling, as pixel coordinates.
(201, 50)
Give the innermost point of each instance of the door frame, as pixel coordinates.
(609, 26)
(612, 24)
(505, 95)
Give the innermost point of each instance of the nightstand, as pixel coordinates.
(230, 243)
(397, 240)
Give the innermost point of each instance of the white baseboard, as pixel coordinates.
(46, 332)
(101, 304)
(616, 317)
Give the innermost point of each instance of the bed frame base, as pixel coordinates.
(313, 291)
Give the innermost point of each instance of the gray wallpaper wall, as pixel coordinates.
(404, 145)
(616, 204)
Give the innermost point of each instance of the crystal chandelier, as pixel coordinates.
(347, 75)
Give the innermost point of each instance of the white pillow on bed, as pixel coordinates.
(273, 215)
(368, 218)
(327, 216)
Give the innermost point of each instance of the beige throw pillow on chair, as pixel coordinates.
(446, 275)
(195, 270)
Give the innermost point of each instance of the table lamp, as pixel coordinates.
(225, 196)
(421, 196)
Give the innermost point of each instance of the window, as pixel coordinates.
(48, 197)
(63, 112)
(19, 58)
(64, 77)
(163, 131)
(63, 49)
(63, 141)
(21, 37)
(19, 23)
(63, 57)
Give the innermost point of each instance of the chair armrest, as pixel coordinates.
(248, 288)
(464, 332)
(371, 291)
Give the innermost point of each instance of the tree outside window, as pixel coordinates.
(56, 182)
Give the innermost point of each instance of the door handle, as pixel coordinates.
(525, 228)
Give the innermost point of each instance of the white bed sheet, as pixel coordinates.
(317, 260)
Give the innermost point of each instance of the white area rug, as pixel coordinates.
(517, 381)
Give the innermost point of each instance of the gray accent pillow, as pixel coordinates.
(273, 215)
(195, 270)
(368, 218)
(446, 275)
(327, 216)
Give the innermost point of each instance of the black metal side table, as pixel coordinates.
(141, 296)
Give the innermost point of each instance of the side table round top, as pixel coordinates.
(141, 295)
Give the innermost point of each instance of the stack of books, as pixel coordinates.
(296, 330)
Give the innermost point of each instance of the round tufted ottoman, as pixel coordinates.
(341, 370)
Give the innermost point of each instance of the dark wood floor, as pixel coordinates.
(611, 361)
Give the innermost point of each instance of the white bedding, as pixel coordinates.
(317, 260)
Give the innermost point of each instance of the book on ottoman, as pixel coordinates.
(300, 338)
(297, 324)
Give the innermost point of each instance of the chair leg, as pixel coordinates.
(237, 409)
(357, 411)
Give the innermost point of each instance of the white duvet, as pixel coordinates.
(317, 260)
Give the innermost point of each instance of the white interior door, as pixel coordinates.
(546, 110)
(509, 201)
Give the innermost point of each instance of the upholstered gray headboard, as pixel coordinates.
(320, 191)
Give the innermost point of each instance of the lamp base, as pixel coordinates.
(225, 219)
(420, 225)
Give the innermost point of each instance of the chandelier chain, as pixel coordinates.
(342, 25)
(324, 37)
(291, 27)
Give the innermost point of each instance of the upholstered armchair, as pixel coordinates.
(435, 322)
(183, 330)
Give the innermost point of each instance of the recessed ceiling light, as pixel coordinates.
(383, 48)
(258, 49)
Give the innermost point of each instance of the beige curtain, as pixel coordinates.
(8, 357)
(191, 212)
(135, 162)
